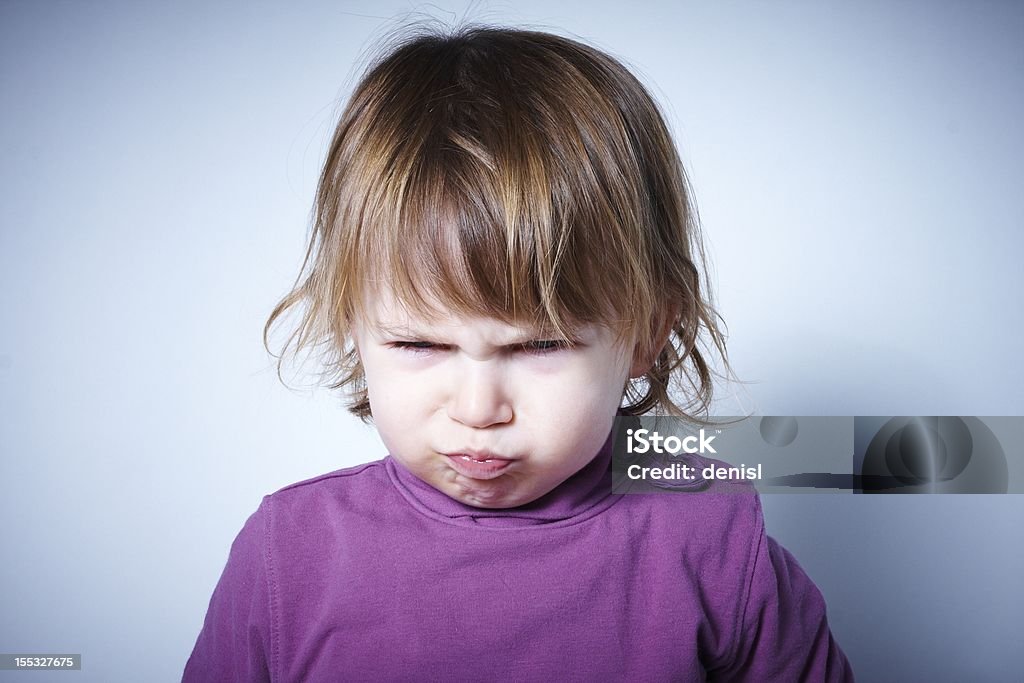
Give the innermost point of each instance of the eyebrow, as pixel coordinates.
(394, 327)
(399, 331)
(411, 333)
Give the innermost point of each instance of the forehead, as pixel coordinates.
(383, 312)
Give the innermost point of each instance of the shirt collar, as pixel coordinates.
(581, 495)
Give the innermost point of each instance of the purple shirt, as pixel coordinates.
(369, 574)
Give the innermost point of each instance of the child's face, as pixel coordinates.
(485, 412)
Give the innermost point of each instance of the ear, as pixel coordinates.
(644, 357)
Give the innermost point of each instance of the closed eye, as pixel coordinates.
(417, 346)
(544, 346)
(538, 347)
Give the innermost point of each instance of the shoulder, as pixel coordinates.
(723, 505)
(309, 503)
(716, 530)
(365, 474)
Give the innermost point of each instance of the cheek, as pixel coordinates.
(591, 388)
(393, 393)
(396, 408)
(605, 373)
(398, 396)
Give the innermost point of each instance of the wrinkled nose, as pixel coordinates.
(480, 396)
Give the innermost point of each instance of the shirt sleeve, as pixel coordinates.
(784, 634)
(234, 644)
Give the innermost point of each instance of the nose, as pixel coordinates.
(480, 396)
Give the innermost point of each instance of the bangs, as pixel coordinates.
(454, 241)
(496, 199)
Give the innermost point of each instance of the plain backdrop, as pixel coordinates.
(858, 172)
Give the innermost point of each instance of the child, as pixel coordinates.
(504, 257)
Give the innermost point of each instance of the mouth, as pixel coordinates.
(481, 466)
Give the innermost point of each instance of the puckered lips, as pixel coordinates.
(481, 465)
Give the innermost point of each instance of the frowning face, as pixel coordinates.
(491, 414)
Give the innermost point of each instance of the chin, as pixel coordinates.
(490, 497)
(484, 499)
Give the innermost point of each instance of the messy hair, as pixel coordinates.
(517, 175)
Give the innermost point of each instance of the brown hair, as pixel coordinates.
(512, 174)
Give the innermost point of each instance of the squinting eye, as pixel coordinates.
(545, 346)
(415, 346)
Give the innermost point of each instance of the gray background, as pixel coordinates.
(858, 171)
